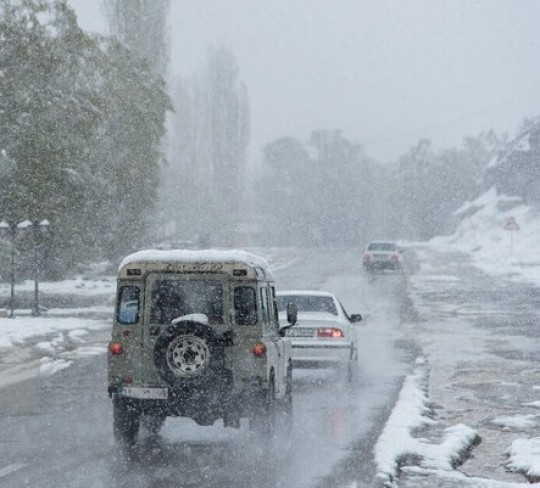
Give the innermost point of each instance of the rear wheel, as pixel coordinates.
(350, 373)
(153, 423)
(262, 418)
(126, 421)
(231, 419)
(352, 367)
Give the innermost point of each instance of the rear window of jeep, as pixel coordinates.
(172, 298)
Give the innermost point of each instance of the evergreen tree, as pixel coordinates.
(321, 199)
(81, 120)
(282, 201)
(429, 186)
(338, 167)
(128, 148)
(50, 114)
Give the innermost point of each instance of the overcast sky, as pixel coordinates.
(386, 72)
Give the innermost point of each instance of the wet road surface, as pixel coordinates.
(66, 438)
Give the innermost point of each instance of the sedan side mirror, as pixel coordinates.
(356, 317)
(292, 313)
(283, 330)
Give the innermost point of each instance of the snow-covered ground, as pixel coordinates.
(78, 286)
(41, 346)
(19, 329)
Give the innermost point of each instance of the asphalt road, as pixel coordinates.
(65, 438)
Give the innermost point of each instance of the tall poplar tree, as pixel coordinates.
(141, 25)
(210, 133)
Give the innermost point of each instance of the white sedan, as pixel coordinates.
(324, 334)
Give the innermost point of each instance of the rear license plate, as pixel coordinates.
(143, 393)
(300, 332)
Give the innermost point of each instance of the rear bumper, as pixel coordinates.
(316, 364)
(204, 406)
(247, 387)
(142, 393)
(306, 355)
(382, 265)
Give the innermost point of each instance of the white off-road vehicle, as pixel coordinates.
(196, 334)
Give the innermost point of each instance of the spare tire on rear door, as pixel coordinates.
(186, 354)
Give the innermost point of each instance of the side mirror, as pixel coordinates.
(283, 330)
(356, 317)
(292, 313)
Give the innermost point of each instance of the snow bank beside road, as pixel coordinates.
(17, 330)
(524, 457)
(79, 285)
(34, 347)
(410, 412)
(397, 443)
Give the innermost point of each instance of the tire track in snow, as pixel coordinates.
(11, 469)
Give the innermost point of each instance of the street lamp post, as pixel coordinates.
(37, 230)
(26, 228)
(6, 230)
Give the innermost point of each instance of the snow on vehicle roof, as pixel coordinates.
(381, 242)
(305, 292)
(189, 256)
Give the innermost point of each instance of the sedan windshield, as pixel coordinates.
(308, 303)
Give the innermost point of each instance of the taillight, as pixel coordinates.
(330, 332)
(395, 256)
(259, 349)
(116, 348)
(367, 256)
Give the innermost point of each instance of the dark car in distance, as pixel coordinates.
(380, 255)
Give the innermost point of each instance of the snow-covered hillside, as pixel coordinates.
(496, 250)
